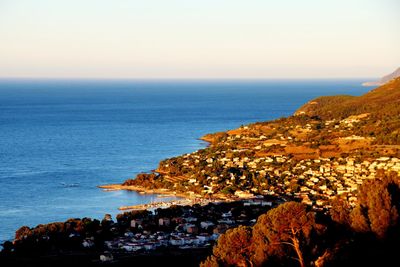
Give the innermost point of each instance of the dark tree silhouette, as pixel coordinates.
(232, 249)
(377, 210)
(287, 226)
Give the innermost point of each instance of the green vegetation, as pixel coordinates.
(233, 249)
(280, 235)
(268, 156)
(290, 235)
(381, 103)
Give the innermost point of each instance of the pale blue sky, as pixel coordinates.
(199, 38)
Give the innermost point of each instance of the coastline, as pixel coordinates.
(109, 203)
(187, 199)
(142, 190)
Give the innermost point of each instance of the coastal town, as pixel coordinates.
(281, 158)
(181, 227)
(177, 229)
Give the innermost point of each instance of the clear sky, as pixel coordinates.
(199, 38)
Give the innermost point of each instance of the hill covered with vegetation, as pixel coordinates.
(381, 106)
(330, 146)
(380, 103)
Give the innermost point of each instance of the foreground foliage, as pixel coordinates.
(290, 235)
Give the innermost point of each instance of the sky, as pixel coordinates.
(199, 38)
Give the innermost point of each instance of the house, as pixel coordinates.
(257, 202)
(227, 214)
(226, 221)
(131, 247)
(203, 238)
(73, 235)
(149, 246)
(243, 194)
(190, 219)
(206, 224)
(177, 241)
(191, 228)
(87, 243)
(136, 222)
(164, 222)
(106, 257)
(128, 234)
(108, 244)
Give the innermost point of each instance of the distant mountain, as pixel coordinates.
(381, 101)
(384, 79)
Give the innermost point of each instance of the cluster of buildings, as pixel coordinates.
(240, 167)
(197, 227)
(146, 241)
(314, 181)
(323, 179)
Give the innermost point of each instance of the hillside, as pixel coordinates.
(382, 101)
(381, 104)
(328, 148)
(384, 79)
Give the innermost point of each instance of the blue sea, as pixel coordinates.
(59, 139)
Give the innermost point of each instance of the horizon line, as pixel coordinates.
(189, 78)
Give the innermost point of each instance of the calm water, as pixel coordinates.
(59, 139)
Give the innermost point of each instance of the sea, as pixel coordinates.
(61, 138)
